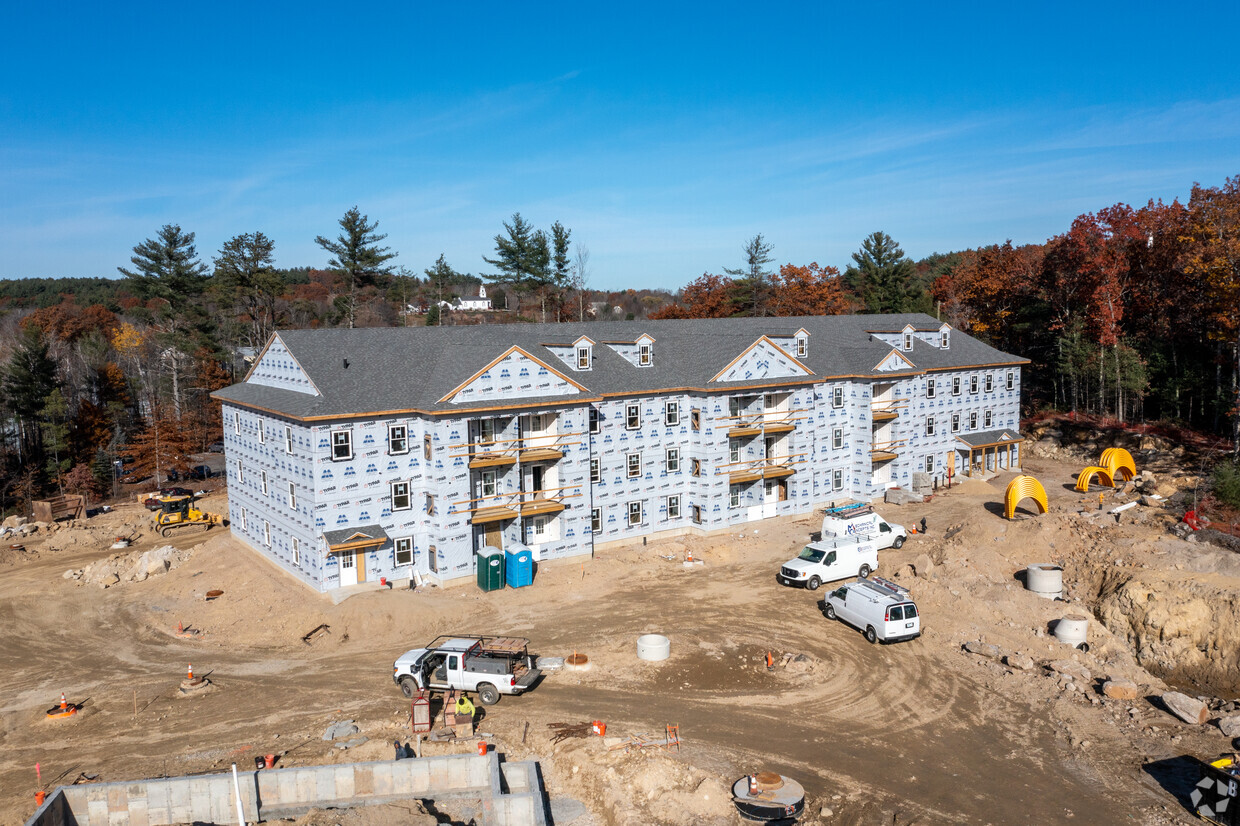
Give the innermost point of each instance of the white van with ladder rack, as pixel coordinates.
(879, 608)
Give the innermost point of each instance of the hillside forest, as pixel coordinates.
(1132, 315)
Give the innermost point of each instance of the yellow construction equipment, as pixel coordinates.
(1119, 462)
(1018, 489)
(1103, 474)
(179, 512)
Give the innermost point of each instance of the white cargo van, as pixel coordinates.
(881, 609)
(830, 560)
(862, 521)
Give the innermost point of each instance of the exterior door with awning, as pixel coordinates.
(349, 546)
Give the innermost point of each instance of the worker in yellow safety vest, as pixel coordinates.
(464, 706)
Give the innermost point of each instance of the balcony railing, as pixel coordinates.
(529, 448)
(887, 409)
(770, 467)
(546, 448)
(770, 421)
(511, 504)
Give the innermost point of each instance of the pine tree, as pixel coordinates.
(167, 267)
(882, 278)
(523, 255)
(357, 253)
(245, 273)
(752, 284)
(561, 264)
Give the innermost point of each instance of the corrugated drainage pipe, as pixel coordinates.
(653, 647)
(1045, 580)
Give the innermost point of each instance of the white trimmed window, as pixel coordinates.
(583, 358)
(635, 513)
(236, 422)
(401, 500)
(955, 385)
(673, 507)
(633, 462)
(987, 418)
(673, 460)
(486, 431)
(240, 471)
(837, 438)
(342, 445)
(973, 421)
(734, 496)
(972, 384)
(929, 388)
(596, 473)
(596, 423)
(645, 354)
(262, 433)
(262, 475)
(734, 407)
(837, 397)
(671, 414)
(632, 417)
(1011, 380)
(398, 439)
(955, 423)
(243, 515)
(403, 551)
(292, 495)
(288, 439)
(296, 543)
(802, 347)
(944, 339)
(988, 383)
(596, 520)
(929, 425)
(908, 340)
(837, 480)
(266, 533)
(929, 464)
(734, 451)
(486, 483)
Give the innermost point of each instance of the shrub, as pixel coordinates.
(1226, 484)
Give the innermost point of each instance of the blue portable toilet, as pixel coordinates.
(519, 567)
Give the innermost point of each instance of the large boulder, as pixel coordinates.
(922, 565)
(1121, 689)
(1230, 725)
(1070, 668)
(1186, 708)
(984, 649)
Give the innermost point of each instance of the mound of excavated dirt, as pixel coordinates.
(136, 566)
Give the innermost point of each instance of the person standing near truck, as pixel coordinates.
(464, 706)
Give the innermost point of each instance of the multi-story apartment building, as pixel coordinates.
(355, 454)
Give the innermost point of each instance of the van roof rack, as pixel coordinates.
(846, 511)
(887, 585)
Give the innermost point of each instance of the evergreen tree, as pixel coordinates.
(245, 273)
(561, 264)
(752, 285)
(167, 267)
(433, 316)
(523, 255)
(882, 278)
(28, 379)
(441, 276)
(357, 253)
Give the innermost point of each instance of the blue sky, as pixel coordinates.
(664, 136)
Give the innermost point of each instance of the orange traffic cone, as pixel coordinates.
(770, 661)
(190, 675)
(690, 556)
(64, 704)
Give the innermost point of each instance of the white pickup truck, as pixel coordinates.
(490, 666)
(829, 560)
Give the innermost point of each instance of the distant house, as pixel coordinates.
(476, 303)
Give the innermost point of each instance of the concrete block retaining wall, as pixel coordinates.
(277, 793)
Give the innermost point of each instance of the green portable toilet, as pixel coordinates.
(490, 563)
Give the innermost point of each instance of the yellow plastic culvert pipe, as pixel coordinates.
(1103, 474)
(1119, 462)
(1020, 488)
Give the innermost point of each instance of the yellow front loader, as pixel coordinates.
(179, 512)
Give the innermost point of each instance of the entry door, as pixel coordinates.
(494, 533)
(770, 498)
(348, 569)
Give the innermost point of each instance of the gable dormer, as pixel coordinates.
(645, 350)
(583, 353)
(800, 340)
(945, 338)
(907, 335)
(894, 361)
(639, 352)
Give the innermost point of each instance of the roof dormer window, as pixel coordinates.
(908, 339)
(802, 347)
(645, 354)
(945, 337)
(583, 357)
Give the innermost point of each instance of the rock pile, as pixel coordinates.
(132, 567)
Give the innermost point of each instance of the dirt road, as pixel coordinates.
(915, 732)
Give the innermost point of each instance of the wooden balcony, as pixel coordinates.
(884, 451)
(779, 426)
(539, 505)
(481, 516)
(541, 454)
(744, 477)
(887, 411)
(777, 471)
(497, 458)
(774, 467)
(744, 427)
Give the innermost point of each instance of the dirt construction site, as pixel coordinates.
(986, 718)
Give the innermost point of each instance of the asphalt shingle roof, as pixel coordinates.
(411, 368)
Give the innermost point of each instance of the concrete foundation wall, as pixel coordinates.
(277, 793)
